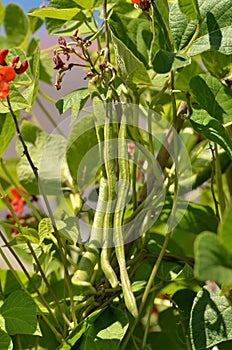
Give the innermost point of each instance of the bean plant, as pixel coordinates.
(116, 212)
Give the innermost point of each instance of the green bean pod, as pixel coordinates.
(82, 276)
(118, 220)
(109, 155)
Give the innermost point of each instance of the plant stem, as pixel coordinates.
(35, 171)
(47, 283)
(106, 29)
(218, 175)
(194, 37)
(148, 322)
(48, 98)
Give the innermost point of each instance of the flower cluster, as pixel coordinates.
(97, 67)
(8, 73)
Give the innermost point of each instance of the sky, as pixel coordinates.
(25, 4)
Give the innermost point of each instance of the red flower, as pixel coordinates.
(6, 74)
(23, 67)
(3, 54)
(137, 2)
(17, 202)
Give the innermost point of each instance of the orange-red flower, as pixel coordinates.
(6, 74)
(17, 202)
(3, 54)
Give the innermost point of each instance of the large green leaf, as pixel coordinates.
(47, 154)
(131, 70)
(18, 314)
(82, 152)
(168, 337)
(196, 218)
(107, 332)
(213, 260)
(216, 31)
(52, 12)
(9, 283)
(46, 68)
(162, 38)
(62, 4)
(212, 129)
(189, 8)
(165, 61)
(213, 96)
(224, 229)
(211, 320)
(16, 25)
(78, 332)
(75, 100)
(7, 131)
(217, 63)
(5, 341)
(135, 33)
(86, 4)
(2, 12)
(17, 100)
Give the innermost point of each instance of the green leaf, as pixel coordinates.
(75, 100)
(5, 341)
(162, 33)
(46, 68)
(45, 228)
(62, 4)
(9, 283)
(224, 229)
(17, 100)
(86, 4)
(77, 333)
(212, 129)
(30, 234)
(69, 228)
(47, 153)
(166, 338)
(216, 30)
(2, 12)
(131, 70)
(217, 63)
(54, 13)
(189, 8)
(16, 25)
(82, 143)
(7, 131)
(213, 96)
(135, 33)
(36, 73)
(18, 314)
(211, 321)
(107, 332)
(165, 61)
(213, 260)
(197, 218)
